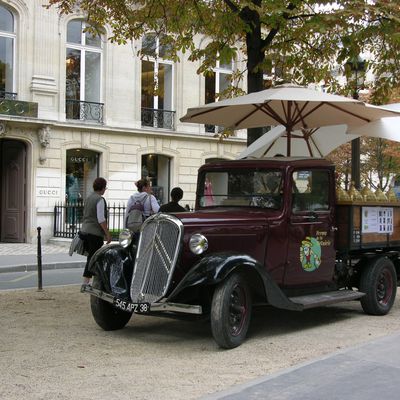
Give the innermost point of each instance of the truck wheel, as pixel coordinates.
(378, 281)
(105, 315)
(231, 311)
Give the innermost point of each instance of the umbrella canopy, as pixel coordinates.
(384, 128)
(316, 142)
(292, 106)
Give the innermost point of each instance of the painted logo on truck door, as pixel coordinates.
(310, 254)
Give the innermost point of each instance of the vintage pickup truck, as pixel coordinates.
(264, 231)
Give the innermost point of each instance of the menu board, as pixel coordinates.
(377, 220)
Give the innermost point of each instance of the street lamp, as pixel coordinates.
(355, 68)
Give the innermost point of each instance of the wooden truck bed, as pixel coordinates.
(366, 225)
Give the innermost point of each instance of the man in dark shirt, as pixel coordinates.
(173, 206)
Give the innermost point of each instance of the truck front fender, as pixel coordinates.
(215, 268)
(113, 265)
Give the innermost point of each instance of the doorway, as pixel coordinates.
(12, 191)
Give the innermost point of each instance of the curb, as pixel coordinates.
(46, 266)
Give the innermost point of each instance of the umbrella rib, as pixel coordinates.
(207, 111)
(299, 112)
(257, 108)
(266, 108)
(347, 112)
(269, 148)
(308, 135)
(301, 117)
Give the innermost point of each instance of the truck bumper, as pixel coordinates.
(154, 307)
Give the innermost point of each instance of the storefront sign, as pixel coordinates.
(47, 192)
(76, 159)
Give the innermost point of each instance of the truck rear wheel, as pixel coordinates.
(105, 315)
(231, 312)
(378, 281)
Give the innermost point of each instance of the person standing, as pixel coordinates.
(173, 205)
(143, 196)
(94, 225)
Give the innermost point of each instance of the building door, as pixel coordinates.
(13, 191)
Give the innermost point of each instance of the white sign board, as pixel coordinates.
(377, 220)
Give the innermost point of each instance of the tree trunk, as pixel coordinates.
(255, 56)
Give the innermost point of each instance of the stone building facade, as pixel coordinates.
(73, 106)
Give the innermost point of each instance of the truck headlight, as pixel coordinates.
(125, 237)
(198, 244)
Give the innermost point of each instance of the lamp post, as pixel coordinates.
(356, 70)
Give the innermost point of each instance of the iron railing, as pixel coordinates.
(68, 219)
(158, 118)
(84, 110)
(8, 95)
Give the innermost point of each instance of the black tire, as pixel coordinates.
(379, 282)
(231, 311)
(105, 314)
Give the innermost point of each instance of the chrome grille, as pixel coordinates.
(156, 257)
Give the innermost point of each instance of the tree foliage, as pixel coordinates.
(306, 41)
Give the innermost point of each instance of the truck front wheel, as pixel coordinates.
(378, 281)
(105, 315)
(231, 311)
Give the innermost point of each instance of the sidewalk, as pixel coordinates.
(21, 257)
(366, 372)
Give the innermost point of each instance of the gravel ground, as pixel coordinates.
(51, 348)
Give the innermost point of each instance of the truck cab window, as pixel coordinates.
(310, 190)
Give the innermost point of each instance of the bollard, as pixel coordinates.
(39, 259)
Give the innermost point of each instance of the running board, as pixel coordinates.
(326, 298)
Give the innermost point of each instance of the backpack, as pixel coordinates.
(135, 216)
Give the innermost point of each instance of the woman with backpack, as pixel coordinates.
(142, 201)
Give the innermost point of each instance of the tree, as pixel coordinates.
(382, 162)
(305, 40)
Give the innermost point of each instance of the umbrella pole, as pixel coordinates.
(288, 142)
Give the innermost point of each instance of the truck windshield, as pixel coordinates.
(247, 188)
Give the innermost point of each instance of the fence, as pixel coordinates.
(68, 219)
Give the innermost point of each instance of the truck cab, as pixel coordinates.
(264, 231)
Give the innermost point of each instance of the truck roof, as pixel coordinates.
(270, 162)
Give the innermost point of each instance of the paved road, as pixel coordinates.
(29, 279)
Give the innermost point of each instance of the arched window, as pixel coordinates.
(83, 73)
(7, 53)
(157, 84)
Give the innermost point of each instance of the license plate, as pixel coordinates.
(139, 308)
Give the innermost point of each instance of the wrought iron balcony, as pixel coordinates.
(158, 118)
(8, 95)
(9, 105)
(84, 110)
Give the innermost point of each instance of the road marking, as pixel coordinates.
(21, 278)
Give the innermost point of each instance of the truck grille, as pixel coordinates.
(156, 257)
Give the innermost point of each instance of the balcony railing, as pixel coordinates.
(84, 110)
(68, 219)
(9, 105)
(157, 118)
(8, 95)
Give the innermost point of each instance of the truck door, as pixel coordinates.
(311, 251)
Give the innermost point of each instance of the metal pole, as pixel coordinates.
(39, 259)
(355, 163)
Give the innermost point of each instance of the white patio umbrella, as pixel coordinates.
(292, 106)
(384, 128)
(317, 142)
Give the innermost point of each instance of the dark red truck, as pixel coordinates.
(266, 231)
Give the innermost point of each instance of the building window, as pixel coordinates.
(157, 84)
(7, 53)
(217, 82)
(156, 168)
(83, 73)
(82, 168)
